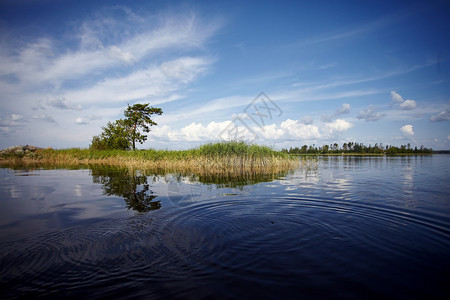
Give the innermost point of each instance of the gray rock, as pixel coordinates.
(19, 150)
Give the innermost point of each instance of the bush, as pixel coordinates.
(114, 136)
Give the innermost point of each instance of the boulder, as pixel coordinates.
(19, 150)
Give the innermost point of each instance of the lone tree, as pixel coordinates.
(123, 133)
(138, 119)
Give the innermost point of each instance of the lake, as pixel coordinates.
(337, 227)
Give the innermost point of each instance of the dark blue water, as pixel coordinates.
(338, 227)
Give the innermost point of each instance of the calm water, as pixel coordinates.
(342, 227)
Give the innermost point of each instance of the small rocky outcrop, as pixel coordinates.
(19, 150)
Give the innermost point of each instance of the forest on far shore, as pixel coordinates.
(358, 148)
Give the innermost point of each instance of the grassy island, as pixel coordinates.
(217, 158)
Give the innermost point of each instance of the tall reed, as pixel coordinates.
(224, 158)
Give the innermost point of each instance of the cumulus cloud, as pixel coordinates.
(193, 132)
(338, 125)
(408, 104)
(199, 132)
(61, 103)
(286, 130)
(442, 116)
(370, 114)
(269, 132)
(344, 109)
(395, 97)
(407, 131)
(10, 124)
(296, 130)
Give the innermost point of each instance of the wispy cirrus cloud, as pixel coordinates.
(442, 116)
(103, 62)
(164, 80)
(42, 61)
(354, 32)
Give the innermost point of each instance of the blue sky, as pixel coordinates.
(330, 71)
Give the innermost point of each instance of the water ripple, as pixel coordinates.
(321, 238)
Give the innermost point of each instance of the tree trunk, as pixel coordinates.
(134, 137)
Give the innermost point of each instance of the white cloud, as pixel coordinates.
(45, 118)
(39, 62)
(407, 131)
(146, 84)
(271, 132)
(338, 125)
(214, 131)
(118, 60)
(11, 123)
(80, 121)
(307, 120)
(16, 117)
(442, 116)
(408, 104)
(395, 97)
(402, 104)
(199, 132)
(61, 103)
(242, 116)
(370, 114)
(344, 109)
(126, 56)
(295, 129)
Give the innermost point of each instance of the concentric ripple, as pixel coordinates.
(261, 241)
(339, 232)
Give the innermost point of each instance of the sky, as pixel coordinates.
(278, 73)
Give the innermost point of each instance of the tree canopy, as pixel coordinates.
(352, 147)
(124, 133)
(138, 119)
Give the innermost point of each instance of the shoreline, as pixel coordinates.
(222, 158)
(365, 154)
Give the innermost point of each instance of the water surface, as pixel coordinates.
(341, 227)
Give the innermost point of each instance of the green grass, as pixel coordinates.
(225, 157)
(237, 148)
(223, 149)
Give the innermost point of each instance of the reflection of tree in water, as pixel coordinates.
(127, 184)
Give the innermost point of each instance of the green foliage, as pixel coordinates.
(114, 136)
(124, 133)
(131, 186)
(138, 119)
(237, 148)
(358, 148)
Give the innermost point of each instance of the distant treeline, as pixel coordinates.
(358, 148)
